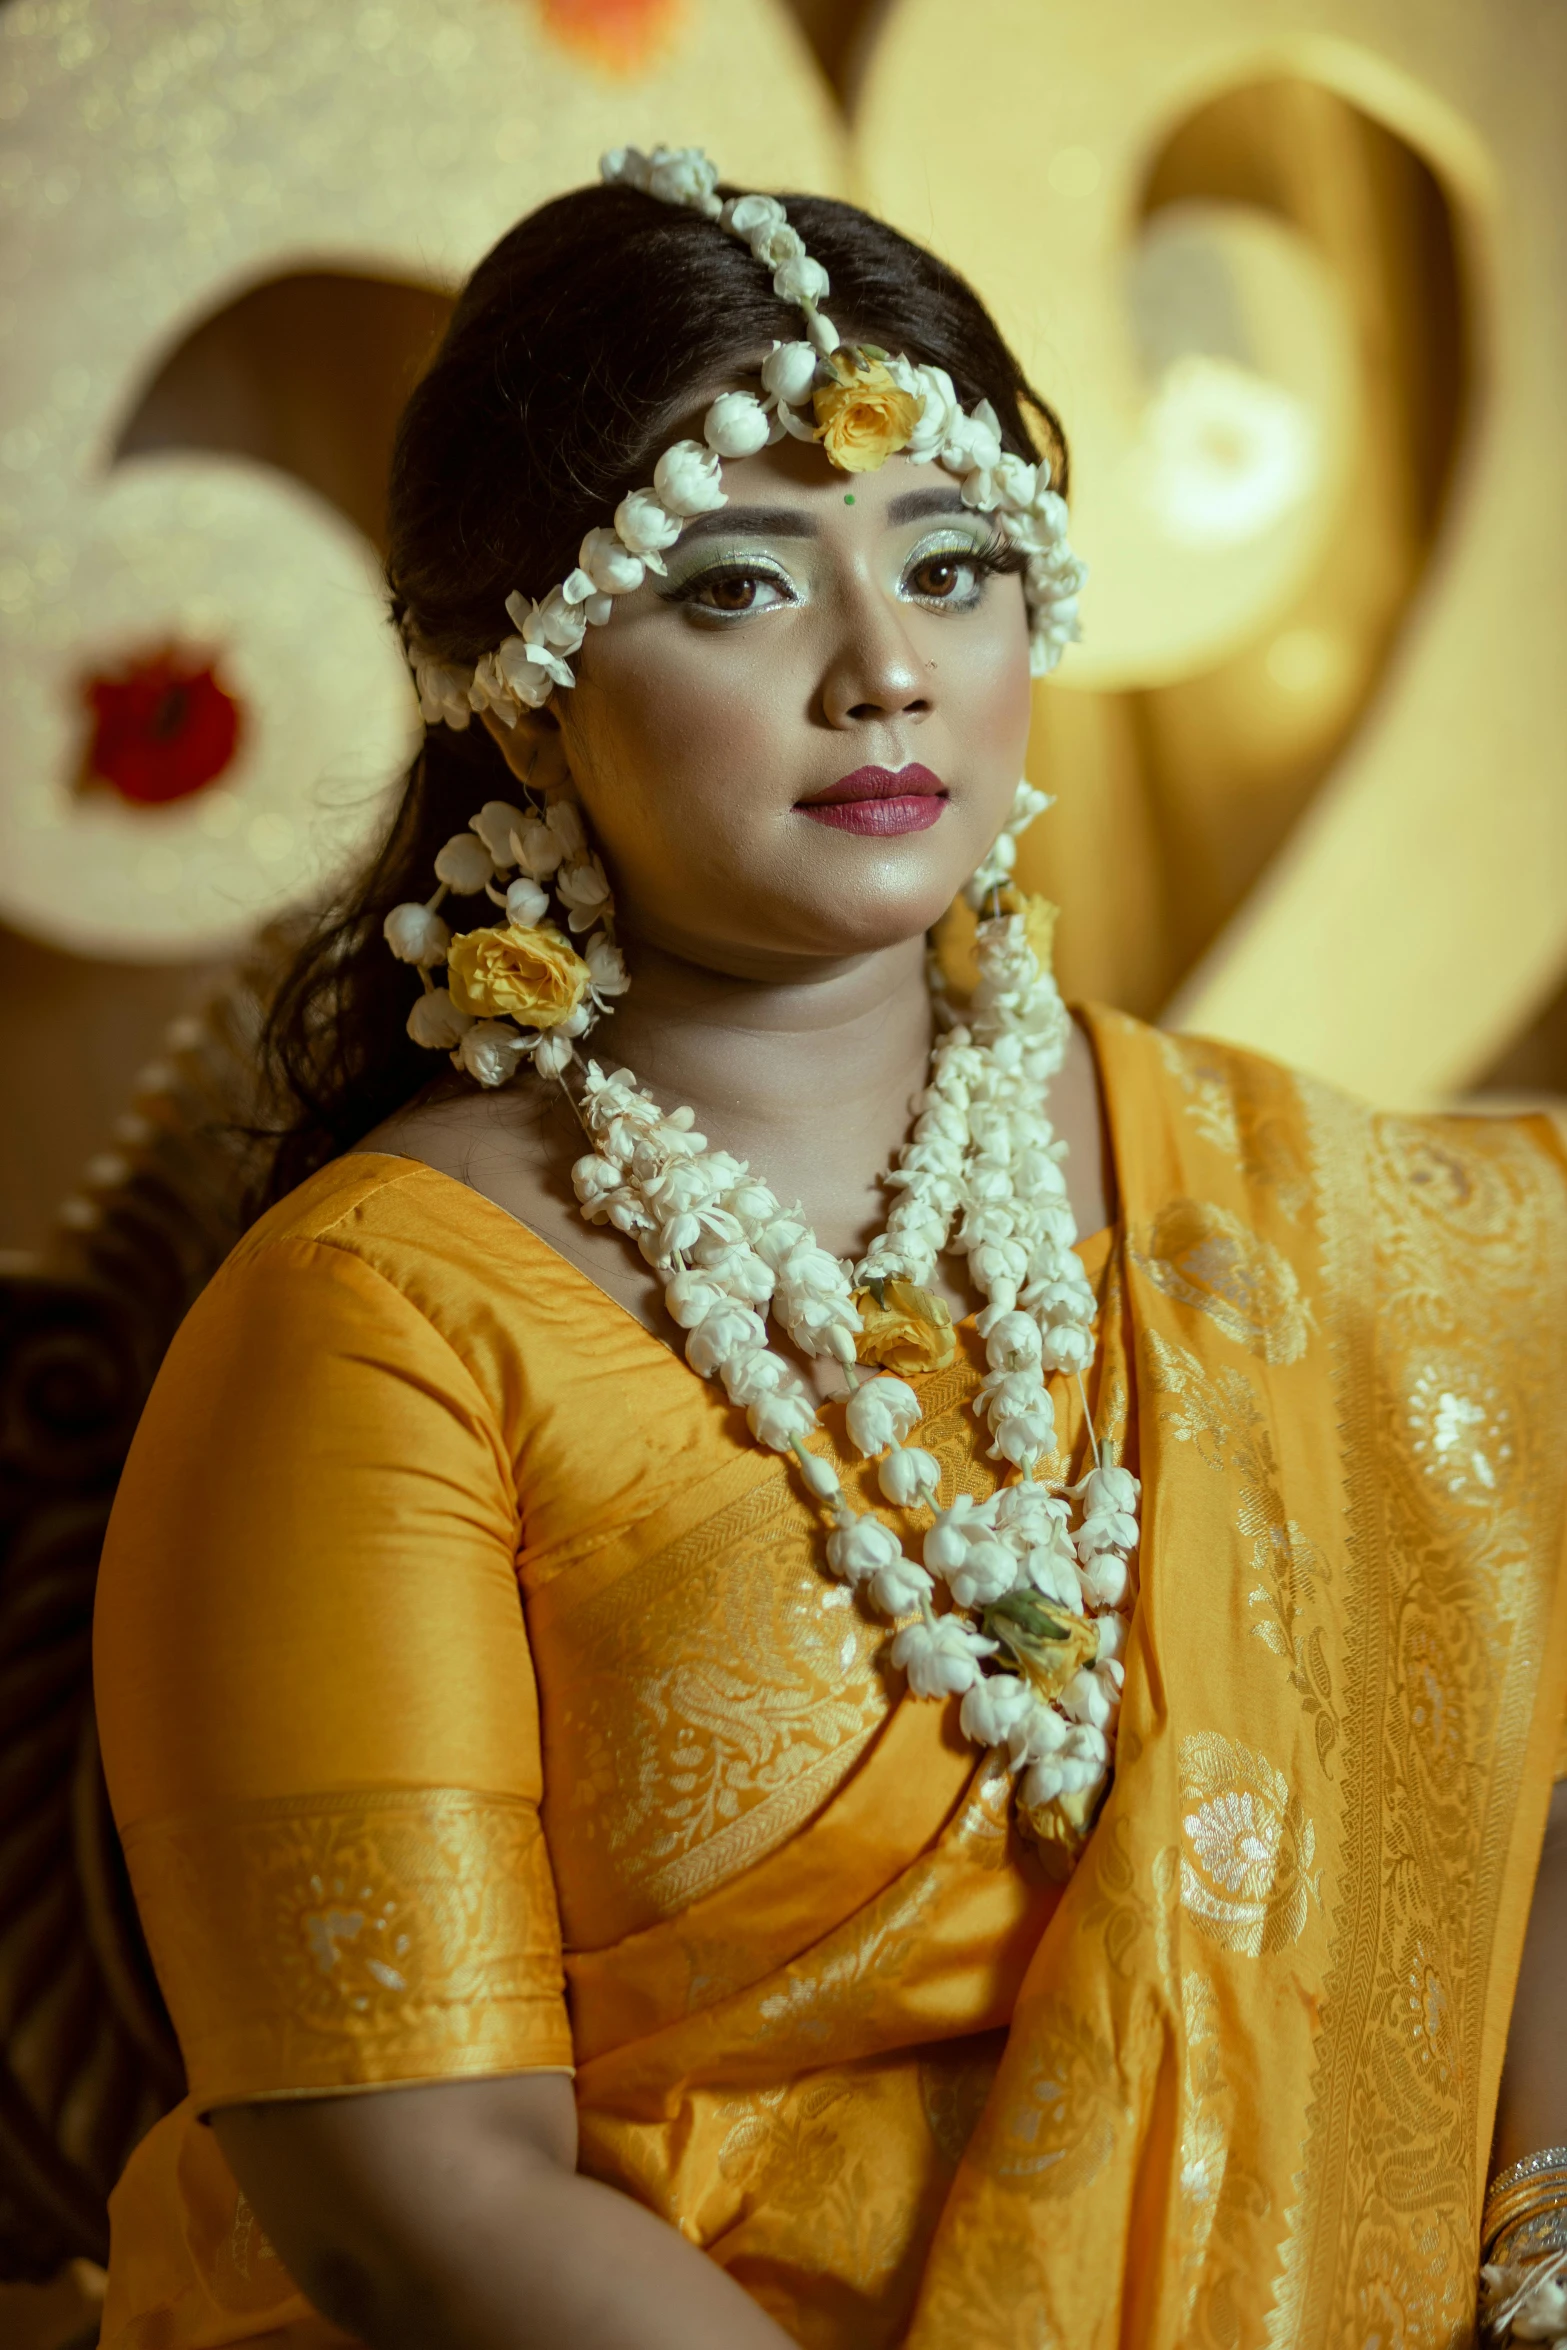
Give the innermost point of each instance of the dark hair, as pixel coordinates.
(573, 350)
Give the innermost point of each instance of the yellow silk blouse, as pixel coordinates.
(668, 1819)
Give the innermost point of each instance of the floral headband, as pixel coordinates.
(866, 406)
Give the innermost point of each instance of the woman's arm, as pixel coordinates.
(1533, 2109)
(452, 2218)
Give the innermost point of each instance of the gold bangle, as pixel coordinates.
(1530, 2187)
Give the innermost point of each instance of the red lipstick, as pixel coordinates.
(879, 801)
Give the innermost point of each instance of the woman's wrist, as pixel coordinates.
(1523, 2238)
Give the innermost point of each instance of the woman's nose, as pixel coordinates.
(875, 674)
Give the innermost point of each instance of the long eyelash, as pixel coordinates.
(685, 591)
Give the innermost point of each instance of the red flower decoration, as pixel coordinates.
(163, 728)
(624, 36)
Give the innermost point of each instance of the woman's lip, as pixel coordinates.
(878, 783)
(907, 812)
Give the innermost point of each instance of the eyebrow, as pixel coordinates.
(793, 522)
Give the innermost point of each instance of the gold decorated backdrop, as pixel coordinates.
(1294, 275)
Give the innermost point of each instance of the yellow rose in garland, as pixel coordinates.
(863, 418)
(903, 1328)
(530, 974)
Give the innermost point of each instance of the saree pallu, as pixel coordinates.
(1234, 2085)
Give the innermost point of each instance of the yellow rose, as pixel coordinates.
(863, 418)
(904, 1329)
(530, 974)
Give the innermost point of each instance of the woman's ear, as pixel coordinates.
(532, 749)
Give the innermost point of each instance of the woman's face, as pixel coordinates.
(799, 743)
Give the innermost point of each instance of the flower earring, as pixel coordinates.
(517, 988)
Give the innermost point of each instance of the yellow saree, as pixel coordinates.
(1233, 2086)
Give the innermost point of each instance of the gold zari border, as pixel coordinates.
(352, 1938)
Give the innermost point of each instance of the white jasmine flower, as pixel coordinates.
(1068, 1347)
(1016, 482)
(1103, 1579)
(738, 1269)
(1024, 1437)
(556, 625)
(939, 407)
(494, 824)
(595, 1181)
(781, 1421)
(683, 175)
(881, 1412)
(946, 1545)
(526, 903)
(736, 425)
(443, 689)
(801, 279)
(747, 1378)
(606, 966)
(1112, 1639)
(691, 1296)
(941, 1657)
(611, 566)
(553, 1053)
(1013, 1342)
(729, 1329)
(644, 523)
(584, 890)
(578, 589)
(416, 935)
(489, 1051)
(1106, 1530)
(688, 480)
(898, 1589)
(824, 336)
(464, 864)
(530, 670)
(863, 1547)
(789, 372)
(436, 1022)
(564, 819)
(1035, 1733)
(909, 1477)
(992, 1706)
(1087, 1698)
(1109, 1491)
(749, 216)
(989, 1569)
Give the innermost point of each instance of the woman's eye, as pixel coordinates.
(734, 592)
(943, 579)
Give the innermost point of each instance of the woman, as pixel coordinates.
(744, 1939)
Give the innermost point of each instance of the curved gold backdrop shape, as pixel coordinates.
(162, 161)
(1414, 914)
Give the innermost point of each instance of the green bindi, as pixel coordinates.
(848, 497)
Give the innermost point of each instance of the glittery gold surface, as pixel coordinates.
(156, 160)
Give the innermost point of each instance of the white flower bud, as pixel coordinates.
(941, 1659)
(436, 1023)
(553, 1053)
(909, 1477)
(736, 425)
(1087, 1698)
(856, 1551)
(1103, 1579)
(645, 524)
(992, 1706)
(606, 966)
(748, 1378)
(526, 903)
(819, 1475)
(1109, 1490)
(881, 1412)
(1068, 1348)
(536, 848)
(415, 935)
(801, 279)
(1013, 1342)
(583, 889)
(594, 1180)
(691, 1296)
(946, 1545)
(464, 864)
(781, 1421)
(489, 1051)
(612, 567)
(989, 1569)
(789, 372)
(748, 216)
(683, 175)
(729, 1329)
(1034, 1733)
(494, 824)
(898, 1589)
(688, 481)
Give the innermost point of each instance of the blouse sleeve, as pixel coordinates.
(315, 1697)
